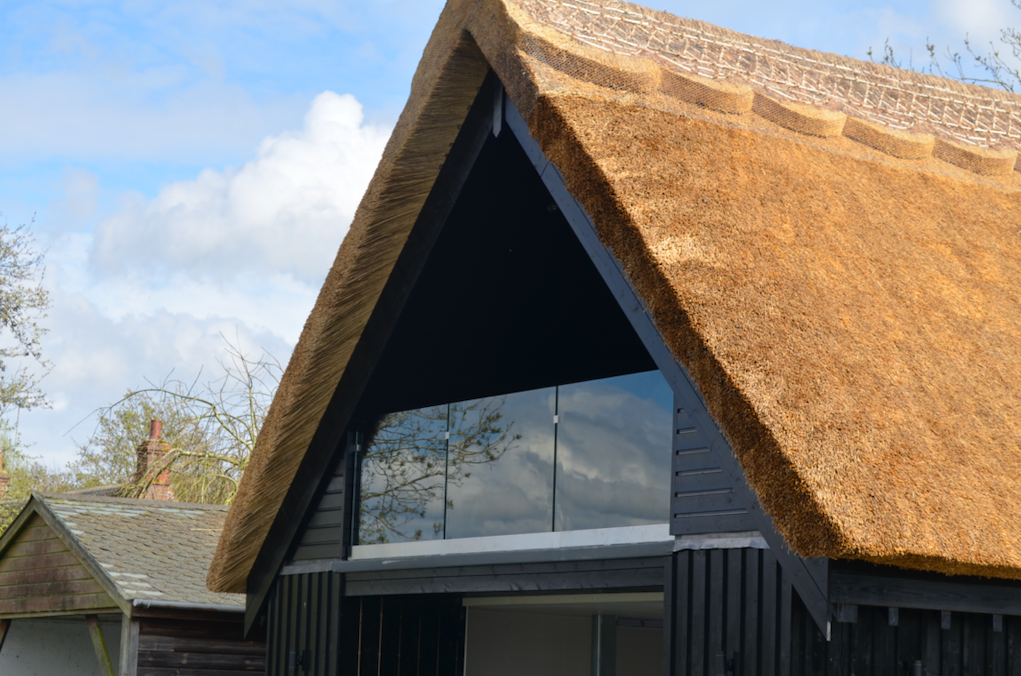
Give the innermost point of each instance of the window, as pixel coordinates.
(586, 455)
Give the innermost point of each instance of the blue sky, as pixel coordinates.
(192, 165)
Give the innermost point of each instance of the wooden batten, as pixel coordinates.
(39, 575)
(99, 645)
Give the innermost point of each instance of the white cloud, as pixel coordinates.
(285, 211)
(80, 189)
(96, 359)
(151, 289)
(982, 20)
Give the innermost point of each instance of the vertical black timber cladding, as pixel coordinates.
(326, 534)
(303, 631)
(702, 499)
(750, 637)
(769, 613)
(314, 630)
(871, 645)
(728, 602)
(716, 604)
(733, 592)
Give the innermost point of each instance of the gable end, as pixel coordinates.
(39, 575)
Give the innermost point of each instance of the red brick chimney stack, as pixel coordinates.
(150, 457)
(5, 478)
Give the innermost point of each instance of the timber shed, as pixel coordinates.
(654, 348)
(95, 585)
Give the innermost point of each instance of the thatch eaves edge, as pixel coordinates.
(446, 82)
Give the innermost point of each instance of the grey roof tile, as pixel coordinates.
(149, 549)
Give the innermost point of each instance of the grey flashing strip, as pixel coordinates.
(180, 605)
(745, 540)
(636, 551)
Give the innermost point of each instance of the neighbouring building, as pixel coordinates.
(97, 585)
(653, 348)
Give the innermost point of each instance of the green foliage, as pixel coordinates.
(28, 474)
(1000, 66)
(23, 302)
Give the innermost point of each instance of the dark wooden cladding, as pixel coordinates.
(703, 497)
(325, 535)
(729, 602)
(864, 584)
(632, 574)
(304, 625)
(40, 575)
(974, 644)
(313, 630)
(191, 647)
(407, 636)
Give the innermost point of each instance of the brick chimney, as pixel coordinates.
(5, 478)
(150, 455)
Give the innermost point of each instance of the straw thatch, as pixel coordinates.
(829, 247)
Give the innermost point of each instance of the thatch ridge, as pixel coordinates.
(634, 54)
(881, 93)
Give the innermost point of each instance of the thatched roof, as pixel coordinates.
(830, 247)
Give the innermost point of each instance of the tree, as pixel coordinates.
(994, 67)
(109, 457)
(211, 428)
(23, 302)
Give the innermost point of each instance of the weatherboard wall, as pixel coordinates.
(39, 575)
(326, 532)
(197, 646)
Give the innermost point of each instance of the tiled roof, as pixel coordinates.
(150, 549)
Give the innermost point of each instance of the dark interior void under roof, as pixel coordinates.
(507, 301)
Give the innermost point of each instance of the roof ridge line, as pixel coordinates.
(646, 73)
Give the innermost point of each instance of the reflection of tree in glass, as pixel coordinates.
(407, 457)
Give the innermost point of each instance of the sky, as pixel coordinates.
(191, 166)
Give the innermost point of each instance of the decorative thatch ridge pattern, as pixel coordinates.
(896, 98)
(585, 71)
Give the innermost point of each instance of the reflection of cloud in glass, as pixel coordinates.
(512, 494)
(613, 452)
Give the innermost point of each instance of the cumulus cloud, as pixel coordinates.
(287, 210)
(982, 20)
(80, 189)
(96, 359)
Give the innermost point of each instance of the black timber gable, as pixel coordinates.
(509, 300)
